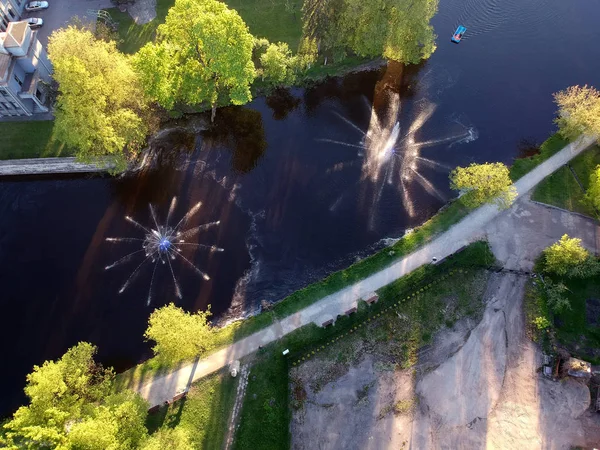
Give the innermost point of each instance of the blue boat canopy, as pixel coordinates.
(458, 34)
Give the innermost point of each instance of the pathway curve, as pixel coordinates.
(164, 388)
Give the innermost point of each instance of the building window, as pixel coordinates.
(11, 13)
(14, 105)
(3, 91)
(18, 81)
(38, 94)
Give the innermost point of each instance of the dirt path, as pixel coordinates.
(489, 395)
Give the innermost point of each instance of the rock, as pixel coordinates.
(234, 368)
(265, 305)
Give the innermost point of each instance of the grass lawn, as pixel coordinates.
(571, 325)
(548, 148)
(265, 415)
(28, 140)
(272, 19)
(134, 36)
(276, 20)
(562, 190)
(204, 413)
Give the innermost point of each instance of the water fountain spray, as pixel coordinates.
(163, 244)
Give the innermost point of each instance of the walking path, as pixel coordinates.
(36, 166)
(165, 387)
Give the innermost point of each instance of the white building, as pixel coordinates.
(10, 11)
(23, 66)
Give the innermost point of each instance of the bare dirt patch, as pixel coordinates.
(475, 385)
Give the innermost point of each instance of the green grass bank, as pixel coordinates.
(31, 139)
(562, 189)
(442, 221)
(203, 413)
(548, 148)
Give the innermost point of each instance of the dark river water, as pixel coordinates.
(303, 183)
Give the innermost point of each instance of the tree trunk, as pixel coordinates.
(213, 113)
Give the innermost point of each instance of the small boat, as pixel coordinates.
(458, 34)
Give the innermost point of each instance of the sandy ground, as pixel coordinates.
(518, 236)
(476, 387)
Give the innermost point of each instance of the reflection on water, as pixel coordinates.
(390, 154)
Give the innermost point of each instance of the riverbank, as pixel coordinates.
(448, 216)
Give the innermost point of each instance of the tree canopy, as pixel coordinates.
(564, 254)
(71, 405)
(169, 438)
(579, 111)
(484, 183)
(569, 258)
(593, 193)
(396, 29)
(202, 51)
(278, 64)
(179, 335)
(101, 109)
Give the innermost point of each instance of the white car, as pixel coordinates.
(35, 22)
(36, 6)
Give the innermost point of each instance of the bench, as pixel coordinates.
(327, 323)
(371, 298)
(178, 397)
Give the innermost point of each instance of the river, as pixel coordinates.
(303, 183)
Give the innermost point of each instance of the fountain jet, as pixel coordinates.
(163, 244)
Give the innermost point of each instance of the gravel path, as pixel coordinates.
(472, 227)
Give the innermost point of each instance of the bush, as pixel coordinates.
(564, 255)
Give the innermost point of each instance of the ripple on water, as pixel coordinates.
(512, 17)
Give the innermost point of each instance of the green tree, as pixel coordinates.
(179, 335)
(564, 255)
(116, 425)
(484, 183)
(203, 51)
(278, 64)
(410, 36)
(579, 111)
(101, 110)
(396, 29)
(593, 193)
(169, 438)
(71, 405)
(555, 296)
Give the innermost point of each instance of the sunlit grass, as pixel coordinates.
(203, 413)
(133, 36)
(276, 20)
(561, 188)
(31, 139)
(549, 147)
